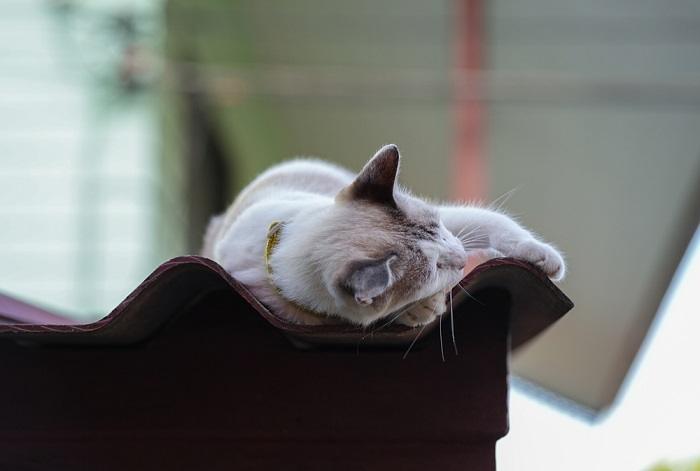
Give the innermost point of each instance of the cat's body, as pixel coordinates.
(357, 247)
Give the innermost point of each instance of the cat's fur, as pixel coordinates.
(358, 247)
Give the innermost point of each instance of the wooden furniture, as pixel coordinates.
(191, 372)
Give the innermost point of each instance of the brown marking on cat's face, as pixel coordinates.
(394, 248)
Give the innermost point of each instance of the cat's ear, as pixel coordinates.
(367, 280)
(377, 180)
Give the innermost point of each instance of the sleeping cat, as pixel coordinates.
(316, 243)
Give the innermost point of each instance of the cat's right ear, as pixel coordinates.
(376, 182)
(368, 280)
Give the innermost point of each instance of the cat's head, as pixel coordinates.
(382, 248)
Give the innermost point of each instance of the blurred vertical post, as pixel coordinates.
(468, 159)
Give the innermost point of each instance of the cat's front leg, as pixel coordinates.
(424, 311)
(491, 231)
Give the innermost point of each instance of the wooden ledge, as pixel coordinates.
(536, 303)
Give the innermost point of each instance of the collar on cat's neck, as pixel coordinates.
(274, 234)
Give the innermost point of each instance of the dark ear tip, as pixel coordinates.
(390, 153)
(393, 148)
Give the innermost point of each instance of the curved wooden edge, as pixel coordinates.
(177, 283)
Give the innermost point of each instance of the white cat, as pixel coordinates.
(357, 247)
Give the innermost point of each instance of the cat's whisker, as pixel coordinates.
(373, 331)
(475, 246)
(414, 341)
(385, 324)
(452, 323)
(461, 233)
(472, 234)
(419, 333)
(498, 203)
(469, 294)
(477, 241)
(442, 347)
(482, 239)
(464, 228)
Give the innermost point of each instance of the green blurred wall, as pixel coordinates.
(390, 46)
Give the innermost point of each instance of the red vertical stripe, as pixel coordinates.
(468, 163)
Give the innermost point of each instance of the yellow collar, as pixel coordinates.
(273, 240)
(274, 233)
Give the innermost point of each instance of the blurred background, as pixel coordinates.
(124, 125)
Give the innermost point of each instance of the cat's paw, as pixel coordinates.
(544, 256)
(425, 311)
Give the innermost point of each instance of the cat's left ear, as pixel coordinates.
(377, 180)
(368, 280)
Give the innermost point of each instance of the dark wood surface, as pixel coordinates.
(189, 372)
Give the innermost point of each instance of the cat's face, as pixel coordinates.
(390, 249)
